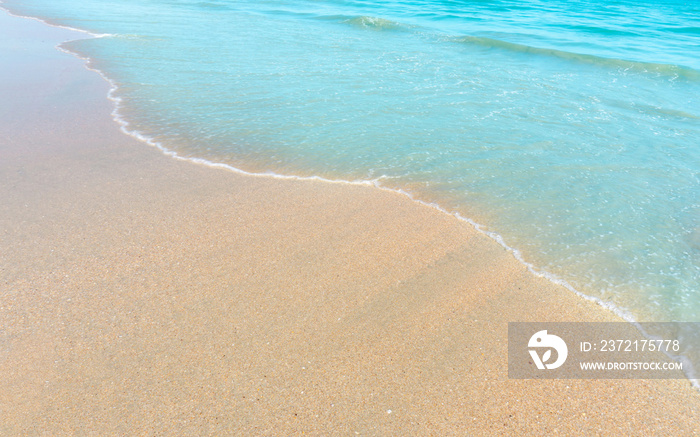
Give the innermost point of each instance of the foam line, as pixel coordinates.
(60, 26)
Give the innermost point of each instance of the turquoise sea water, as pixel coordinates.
(570, 128)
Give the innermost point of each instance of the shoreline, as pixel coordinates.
(392, 341)
(622, 313)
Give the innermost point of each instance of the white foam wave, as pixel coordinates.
(60, 26)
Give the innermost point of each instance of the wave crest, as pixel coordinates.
(375, 23)
(671, 70)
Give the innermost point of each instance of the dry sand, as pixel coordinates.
(141, 295)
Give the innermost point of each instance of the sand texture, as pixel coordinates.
(142, 295)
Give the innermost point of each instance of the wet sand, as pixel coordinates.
(142, 295)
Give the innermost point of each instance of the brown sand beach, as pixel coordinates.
(143, 295)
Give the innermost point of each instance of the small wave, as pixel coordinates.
(683, 30)
(604, 30)
(374, 23)
(212, 5)
(670, 70)
(666, 112)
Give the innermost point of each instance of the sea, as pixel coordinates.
(568, 131)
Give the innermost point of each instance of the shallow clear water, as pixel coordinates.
(570, 128)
